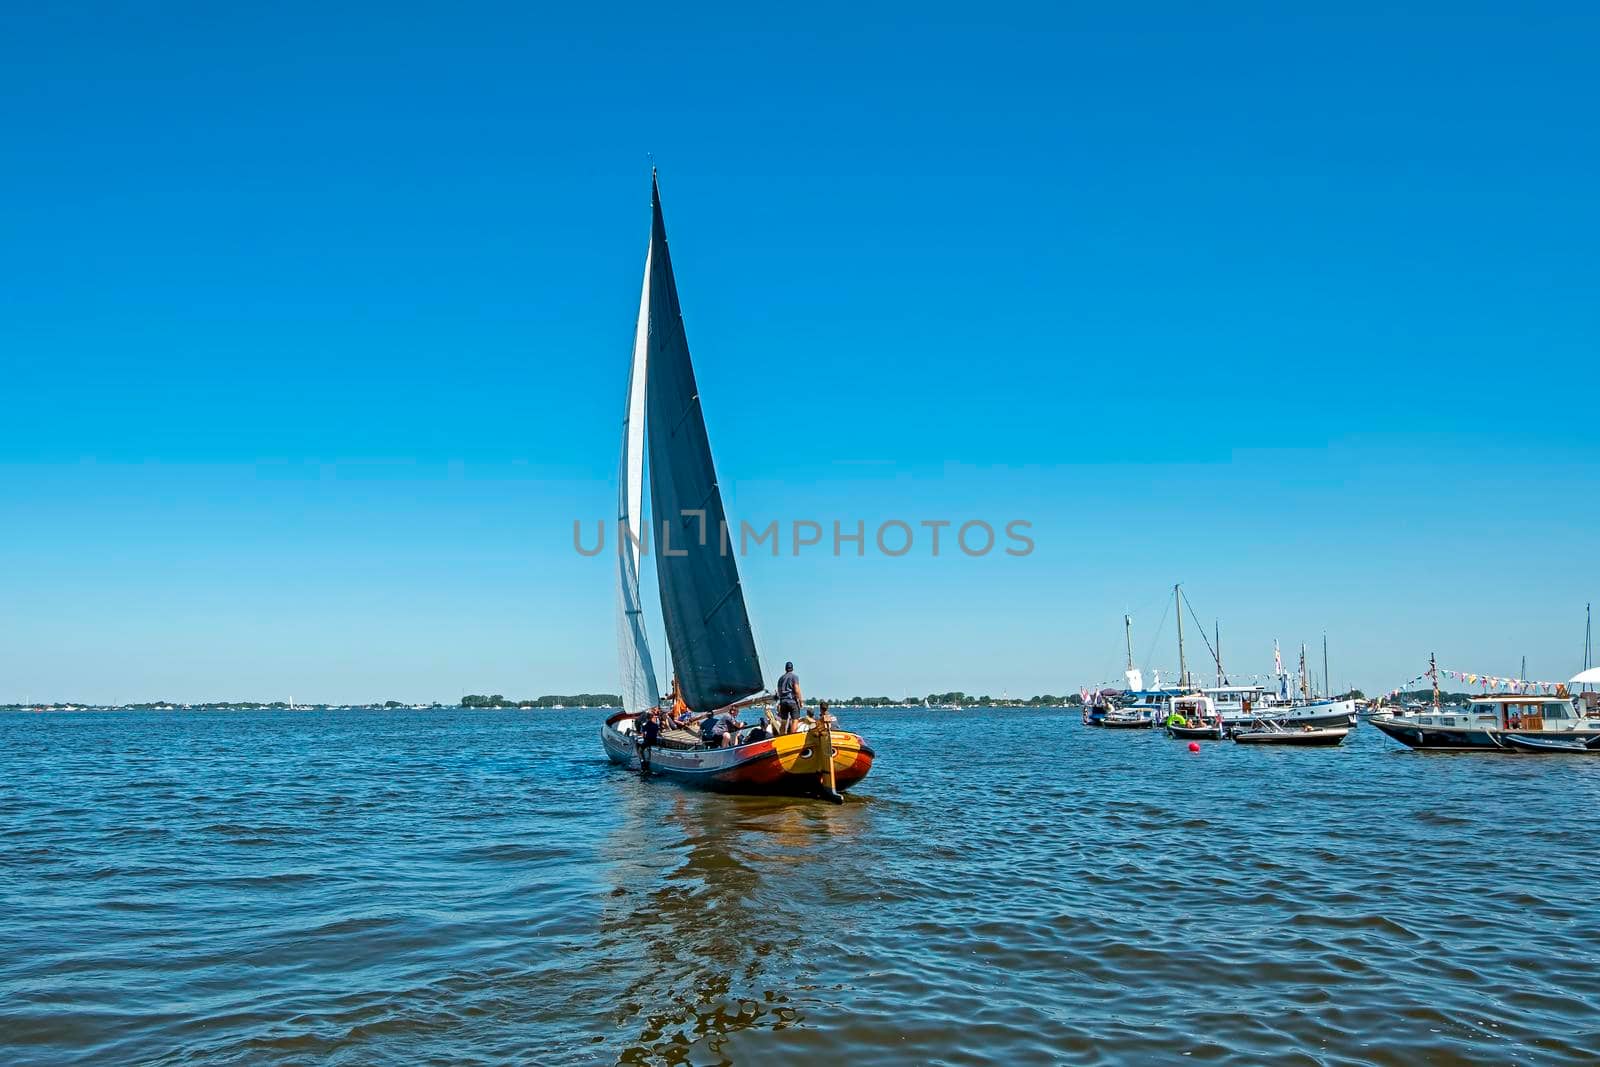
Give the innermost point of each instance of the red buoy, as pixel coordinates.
(1194, 746)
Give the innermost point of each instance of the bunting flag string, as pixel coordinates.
(1397, 690)
(1487, 682)
(1515, 685)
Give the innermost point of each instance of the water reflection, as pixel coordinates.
(710, 895)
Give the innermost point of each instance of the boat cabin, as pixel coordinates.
(1153, 699)
(1245, 698)
(1196, 708)
(1511, 711)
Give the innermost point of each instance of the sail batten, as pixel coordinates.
(702, 600)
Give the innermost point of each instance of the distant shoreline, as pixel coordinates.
(852, 703)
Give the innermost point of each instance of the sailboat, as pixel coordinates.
(714, 659)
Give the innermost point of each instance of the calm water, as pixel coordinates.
(459, 887)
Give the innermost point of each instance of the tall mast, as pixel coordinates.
(1127, 634)
(1183, 665)
(1216, 631)
(1433, 672)
(1588, 620)
(1327, 682)
(1305, 679)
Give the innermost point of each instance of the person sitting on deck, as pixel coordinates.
(720, 729)
(678, 713)
(789, 699)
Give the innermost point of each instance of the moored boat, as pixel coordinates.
(714, 660)
(1097, 705)
(1194, 718)
(1317, 713)
(1519, 723)
(1272, 732)
(1196, 733)
(1529, 743)
(1130, 717)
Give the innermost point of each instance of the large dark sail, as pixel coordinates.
(708, 627)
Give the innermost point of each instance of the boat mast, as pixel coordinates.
(1183, 666)
(1127, 635)
(1216, 631)
(1327, 682)
(1433, 672)
(1588, 620)
(1305, 678)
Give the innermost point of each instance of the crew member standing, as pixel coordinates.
(789, 698)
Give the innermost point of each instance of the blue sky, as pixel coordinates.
(315, 323)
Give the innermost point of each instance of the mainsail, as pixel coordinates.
(702, 602)
(638, 672)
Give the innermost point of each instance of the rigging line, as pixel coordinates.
(1108, 674)
(1150, 653)
(1135, 614)
(1139, 612)
(1198, 625)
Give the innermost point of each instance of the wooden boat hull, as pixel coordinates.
(1303, 738)
(784, 766)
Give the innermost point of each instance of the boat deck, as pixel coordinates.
(680, 739)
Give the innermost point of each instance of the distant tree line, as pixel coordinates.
(576, 700)
(214, 705)
(588, 700)
(1426, 696)
(960, 699)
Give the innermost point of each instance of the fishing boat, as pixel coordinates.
(1275, 732)
(707, 622)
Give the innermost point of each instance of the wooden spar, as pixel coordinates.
(758, 698)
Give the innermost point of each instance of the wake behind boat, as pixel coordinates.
(715, 665)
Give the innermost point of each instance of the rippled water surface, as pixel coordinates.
(458, 887)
